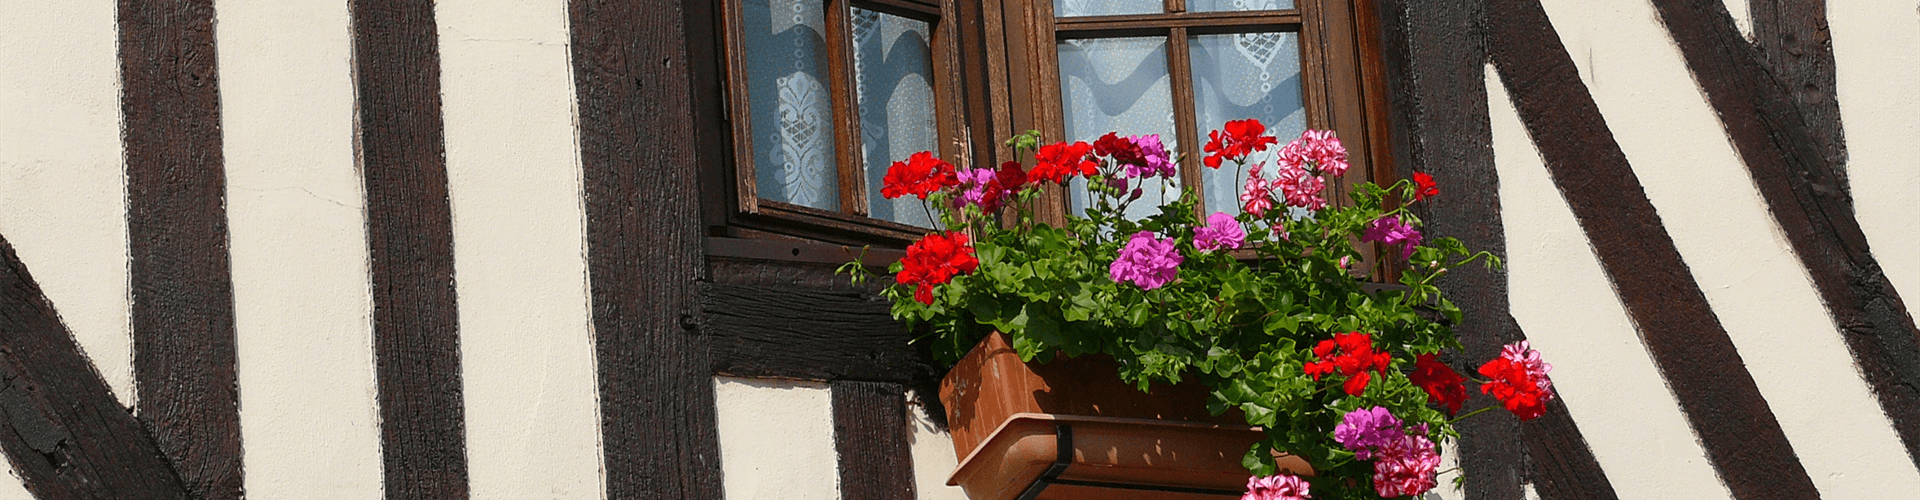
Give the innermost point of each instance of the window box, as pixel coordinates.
(1070, 429)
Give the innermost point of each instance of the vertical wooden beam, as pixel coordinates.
(1695, 355)
(870, 432)
(1774, 103)
(1440, 125)
(410, 245)
(644, 255)
(61, 428)
(182, 287)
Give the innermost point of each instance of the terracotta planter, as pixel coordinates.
(1071, 429)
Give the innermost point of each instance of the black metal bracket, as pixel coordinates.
(1063, 441)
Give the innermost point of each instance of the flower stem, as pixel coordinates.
(1482, 409)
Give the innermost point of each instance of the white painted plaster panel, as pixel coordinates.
(776, 439)
(302, 295)
(519, 240)
(1445, 484)
(1565, 303)
(1742, 16)
(933, 459)
(1876, 45)
(62, 182)
(1734, 249)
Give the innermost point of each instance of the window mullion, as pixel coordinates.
(846, 108)
(1185, 125)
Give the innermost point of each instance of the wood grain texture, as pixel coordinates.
(643, 246)
(870, 432)
(1797, 47)
(416, 327)
(1435, 56)
(1743, 439)
(1774, 109)
(804, 333)
(180, 270)
(60, 426)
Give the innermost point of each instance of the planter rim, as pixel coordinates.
(1017, 418)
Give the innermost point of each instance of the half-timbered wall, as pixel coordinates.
(472, 249)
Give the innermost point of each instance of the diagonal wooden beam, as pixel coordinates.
(1792, 149)
(1692, 349)
(61, 428)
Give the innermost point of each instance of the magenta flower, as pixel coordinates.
(1158, 162)
(1281, 486)
(1221, 231)
(1257, 197)
(1523, 356)
(1391, 230)
(1146, 261)
(980, 186)
(1365, 431)
(1405, 466)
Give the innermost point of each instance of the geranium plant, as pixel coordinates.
(1264, 306)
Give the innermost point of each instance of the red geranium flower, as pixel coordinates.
(1011, 176)
(935, 260)
(1516, 388)
(1239, 139)
(1060, 160)
(920, 175)
(1120, 149)
(1355, 356)
(1444, 386)
(1425, 188)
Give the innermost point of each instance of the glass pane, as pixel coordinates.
(1240, 76)
(893, 72)
(1237, 5)
(787, 93)
(1069, 8)
(1118, 85)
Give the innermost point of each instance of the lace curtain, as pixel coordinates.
(1240, 76)
(894, 77)
(1119, 85)
(787, 94)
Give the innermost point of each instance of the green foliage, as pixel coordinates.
(1244, 325)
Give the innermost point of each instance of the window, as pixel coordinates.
(823, 96)
(1180, 68)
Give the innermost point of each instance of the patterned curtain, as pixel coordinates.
(894, 76)
(788, 97)
(1240, 76)
(1118, 85)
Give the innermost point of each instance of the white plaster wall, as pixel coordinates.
(62, 182)
(1876, 46)
(933, 459)
(1742, 16)
(62, 190)
(519, 240)
(776, 440)
(302, 295)
(1733, 247)
(1564, 301)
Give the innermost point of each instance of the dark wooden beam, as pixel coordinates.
(1436, 54)
(636, 119)
(416, 322)
(870, 432)
(801, 333)
(61, 428)
(1695, 355)
(179, 270)
(1774, 106)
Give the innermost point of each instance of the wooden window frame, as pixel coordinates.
(1342, 82)
(754, 216)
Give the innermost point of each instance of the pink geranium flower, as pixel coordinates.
(1257, 197)
(1390, 230)
(1277, 487)
(1220, 232)
(1147, 261)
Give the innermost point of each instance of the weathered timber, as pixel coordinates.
(870, 432)
(179, 269)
